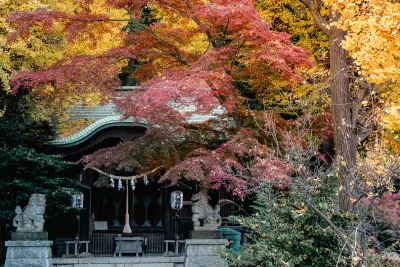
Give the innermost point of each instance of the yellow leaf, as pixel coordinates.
(355, 260)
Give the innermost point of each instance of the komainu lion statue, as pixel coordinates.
(202, 210)
(30, 219)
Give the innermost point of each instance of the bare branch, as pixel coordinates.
(331, 223)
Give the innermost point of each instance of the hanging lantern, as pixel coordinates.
(176, 200)
(77, 200)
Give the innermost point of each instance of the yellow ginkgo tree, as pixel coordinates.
(372, 36)
(373, 42)
(45, 47)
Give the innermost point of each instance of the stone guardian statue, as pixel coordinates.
(29, 245)
(202, 210)
(30, 219)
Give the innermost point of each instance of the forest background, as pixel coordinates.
(309, 89)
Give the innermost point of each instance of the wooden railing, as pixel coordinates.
(105, 243)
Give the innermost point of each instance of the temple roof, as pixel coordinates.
(105, 116)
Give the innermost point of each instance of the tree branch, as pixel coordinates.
(364, 135)
(315, 12)
(332, 224)
(195, 19)
(182, 59)
(365, 89)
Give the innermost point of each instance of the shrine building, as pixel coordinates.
(103, 215)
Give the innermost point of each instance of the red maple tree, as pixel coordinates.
(238, 38)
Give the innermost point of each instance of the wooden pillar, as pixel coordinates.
(91, 221)
(167, 215)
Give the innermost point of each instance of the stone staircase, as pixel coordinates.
(146, 261)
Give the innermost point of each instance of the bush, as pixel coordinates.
(287, 233)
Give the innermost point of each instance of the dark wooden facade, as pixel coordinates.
(149, 206)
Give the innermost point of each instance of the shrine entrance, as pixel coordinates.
(145, 206)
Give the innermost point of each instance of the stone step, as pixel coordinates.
(118, 265)
(149, 261)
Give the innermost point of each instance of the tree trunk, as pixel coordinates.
(342, 101)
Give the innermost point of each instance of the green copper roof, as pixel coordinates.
(93, 113)
(106, 117)
(80, 137)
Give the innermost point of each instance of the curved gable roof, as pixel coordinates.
(105, 117)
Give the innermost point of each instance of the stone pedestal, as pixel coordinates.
(21, 236)
(204, 252)
(199, 234)
(204, 232)
(29, 254)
